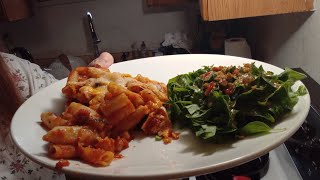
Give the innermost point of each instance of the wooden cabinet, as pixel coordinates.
(162, 3)
(213, 10)
(13, 10)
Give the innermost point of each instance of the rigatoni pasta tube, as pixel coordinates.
(82, 114)
(63, 135)
(131, 121)
(110, 106)
(105, 144)
(122, 113)
(116, 90)
(50, 120)
(62, 151)
(95, 156)
(152, 100)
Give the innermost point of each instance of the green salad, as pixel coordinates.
(232, 102)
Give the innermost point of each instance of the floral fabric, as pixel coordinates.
(29, 79)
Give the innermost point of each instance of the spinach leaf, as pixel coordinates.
(254, 127)
(289, 74)
(302, 90)
(263, 89)
(206, 132)
(256, 71)
(198, 114)
(192, 108)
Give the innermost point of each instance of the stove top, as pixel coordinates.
(253, 170)
(304, 147)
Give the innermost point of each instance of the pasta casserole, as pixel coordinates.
(102, 110)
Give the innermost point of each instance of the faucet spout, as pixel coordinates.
(95, 39)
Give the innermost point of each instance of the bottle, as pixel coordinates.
(143, 50)
(134, 50)
(124, 57)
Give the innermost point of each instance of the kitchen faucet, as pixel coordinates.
(95, 39)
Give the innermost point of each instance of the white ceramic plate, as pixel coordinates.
(147, 158)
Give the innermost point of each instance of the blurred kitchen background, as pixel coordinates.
(58, 30)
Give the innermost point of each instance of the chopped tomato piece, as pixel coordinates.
(228, 91)
(62, 163)
(210, 88)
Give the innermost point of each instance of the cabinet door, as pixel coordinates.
(2, 14)
(161, 3)
(212, 10)
(14, 10)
